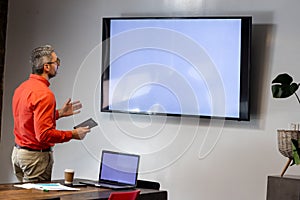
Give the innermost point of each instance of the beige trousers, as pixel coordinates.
(30, 166)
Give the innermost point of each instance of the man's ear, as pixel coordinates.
(46, 67)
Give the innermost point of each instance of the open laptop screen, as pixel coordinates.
(119, 167)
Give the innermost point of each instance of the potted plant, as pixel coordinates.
(284, 87)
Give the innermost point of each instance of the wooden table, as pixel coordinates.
(9, 192)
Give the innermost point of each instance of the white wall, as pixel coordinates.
(235, 158)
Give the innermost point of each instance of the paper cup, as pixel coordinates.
(69, 176)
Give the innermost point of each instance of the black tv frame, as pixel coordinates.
(245, 63)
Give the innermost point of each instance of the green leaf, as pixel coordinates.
(295, 151)
(284, 91)
(284, 79)
(283, 87)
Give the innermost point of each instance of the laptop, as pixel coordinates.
(117, 170)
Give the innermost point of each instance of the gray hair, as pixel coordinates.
(41, 55)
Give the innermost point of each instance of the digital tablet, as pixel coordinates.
(90, 122)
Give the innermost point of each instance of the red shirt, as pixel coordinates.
(34, 111)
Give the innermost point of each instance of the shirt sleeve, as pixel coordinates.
(56, 115)
(45, 121)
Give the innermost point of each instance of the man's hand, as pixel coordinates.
(70, 108)
(80, 133)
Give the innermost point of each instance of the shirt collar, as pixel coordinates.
(39, 78)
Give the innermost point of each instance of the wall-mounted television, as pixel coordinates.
(178, 66)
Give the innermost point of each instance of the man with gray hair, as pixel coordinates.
(35, 115)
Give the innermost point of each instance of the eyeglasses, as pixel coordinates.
(57, 62)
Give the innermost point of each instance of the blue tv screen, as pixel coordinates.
(178, 66)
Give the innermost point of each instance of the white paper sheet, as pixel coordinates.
(45, 186)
